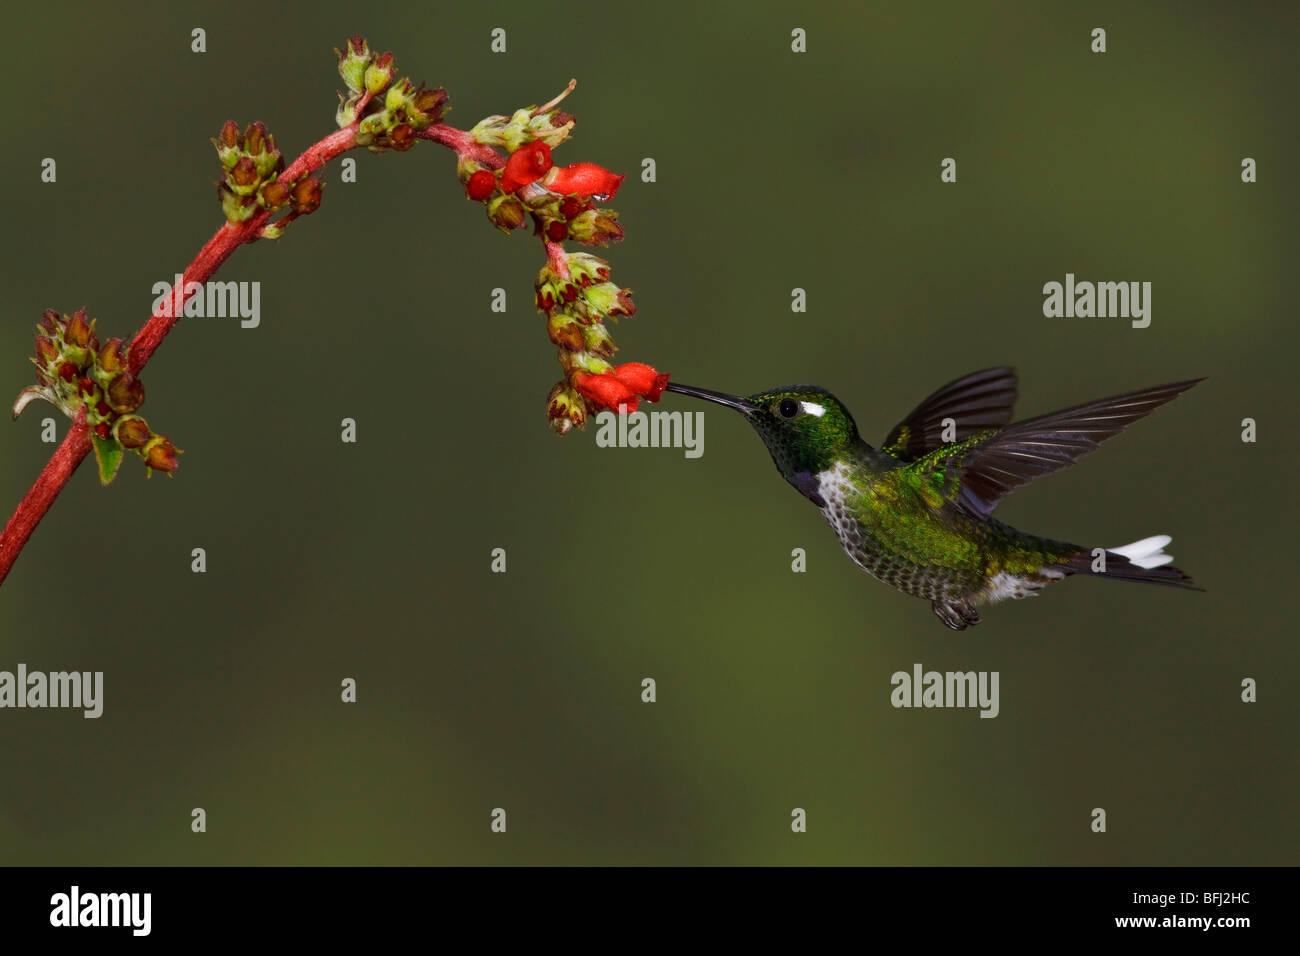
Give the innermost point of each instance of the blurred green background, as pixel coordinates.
(522, 690)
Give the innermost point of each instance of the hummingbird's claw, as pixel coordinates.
(956, 614)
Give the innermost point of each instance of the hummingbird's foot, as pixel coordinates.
(956, 614)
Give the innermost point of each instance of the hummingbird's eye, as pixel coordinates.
(788, 408)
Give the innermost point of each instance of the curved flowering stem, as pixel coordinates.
(76, 444)
(99, 389)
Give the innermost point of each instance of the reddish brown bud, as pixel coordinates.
(597, 340)
(560, 118)
(45, 350)
(125, 393)
(557, 231)
(255, 138)
(625, 304)
(506, 212)
(306, 195)
(244, 173)
(565, 332)
(431, 102)
(78, 331)
(596, 227)
(103, 430)
(67, 372)
(275, 195)
(160, 455)
(102, 409)
(402, 137)
(86, 387)
(571, 206)
(132, 432)
(50, 320)
(230, 134)
(111, 357)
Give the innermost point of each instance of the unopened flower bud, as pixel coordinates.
(596, 339)
(401, 137)
(596, 227)
(160, 455)
(480, 185)
(353, 63)
(111, 359)
(132, 431)
(380, 73)
(125, 393)
(565, 332)
(46, 351)
(243, 177)
(274, 194)
(79, 331)
(306, 195)
(506, 212)
(429, 104)
(228, 144)
(565, 408)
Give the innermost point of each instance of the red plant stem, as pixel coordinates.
(76, 445)
(53, 477)
(464, 145)
(558, 259)
(219, 248)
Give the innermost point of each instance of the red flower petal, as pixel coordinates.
(480, 185)
(583, 179)
(526, 165)
(605, 390)
(642, 379)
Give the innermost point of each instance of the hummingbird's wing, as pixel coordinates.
(977, 402)
(992, 467)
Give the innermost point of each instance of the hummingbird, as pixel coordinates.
(917, 512)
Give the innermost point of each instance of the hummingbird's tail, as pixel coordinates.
(1143, 560)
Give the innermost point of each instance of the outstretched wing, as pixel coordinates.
(991, 468)
(976, 403)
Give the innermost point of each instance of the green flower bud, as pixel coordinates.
(353, 63)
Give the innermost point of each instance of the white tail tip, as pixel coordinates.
(1147, 553)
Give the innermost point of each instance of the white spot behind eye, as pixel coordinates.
(812, 408)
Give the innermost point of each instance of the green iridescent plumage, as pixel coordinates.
(916, 513)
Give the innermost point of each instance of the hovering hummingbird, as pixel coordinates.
(917, 512)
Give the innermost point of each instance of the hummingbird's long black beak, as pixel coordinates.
(718, 398)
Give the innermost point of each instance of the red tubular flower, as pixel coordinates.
(642, 379)
(622, 385)
(481, 185)
(605, 390)
(526, 165)
(583, 179)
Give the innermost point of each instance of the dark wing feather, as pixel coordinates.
(977, 402)
(1018, 454)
